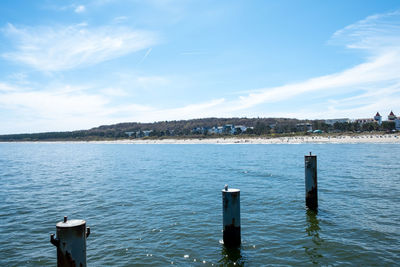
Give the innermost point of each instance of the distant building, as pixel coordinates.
(363, 121)
(200, 130)
(215, 130)
(391, 116)
(140, 134)
(129, 133)
(378, 118)
(241, 127)
(397, 124)
(306, 127)
(228, 129)
(147, 132)
(333, 121)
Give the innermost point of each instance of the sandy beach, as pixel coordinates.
(344, 139)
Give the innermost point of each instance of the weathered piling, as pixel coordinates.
(311, 181)
(71, 242)
(231, 216)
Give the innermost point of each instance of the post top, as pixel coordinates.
(70, 223)
(310, 156)
(230, 190)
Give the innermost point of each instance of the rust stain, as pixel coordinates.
(65, 260)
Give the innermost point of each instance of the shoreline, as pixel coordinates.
(342, 139)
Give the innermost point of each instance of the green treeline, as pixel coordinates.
(187, 128)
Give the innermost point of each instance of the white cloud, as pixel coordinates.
(198, 110)
(80, 9)
(145, 55)
(375, 33)
(114, 92)
(379, 75)
(52, 105)
(384, 68)
(355, 92)
(151, 81)
(7, 88)
(59, 109)
(120, 19)
(61, 48)
(70, 108)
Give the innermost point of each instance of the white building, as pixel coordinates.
(397, 124)
(378, 118)
(129, 133)
(215, 130)
(362, 121)
(241, 127)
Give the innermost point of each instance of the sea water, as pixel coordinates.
(157, 205)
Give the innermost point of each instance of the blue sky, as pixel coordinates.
(68, 65)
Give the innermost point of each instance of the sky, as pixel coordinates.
(70, 65)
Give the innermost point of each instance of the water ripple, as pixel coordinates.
(158, 205)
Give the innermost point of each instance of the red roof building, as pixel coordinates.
(391, 116)
(378, 118)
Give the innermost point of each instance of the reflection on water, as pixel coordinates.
(312, 249)
(231, 257)
(176, 190)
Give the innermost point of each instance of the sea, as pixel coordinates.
(161, 204)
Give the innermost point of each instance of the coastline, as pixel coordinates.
(342, 139)
(345, 139)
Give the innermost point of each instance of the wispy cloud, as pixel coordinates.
(145, 55)
(193, 53)
(113, 92)
(375, 34)
(374, 83)
(60, 109)
(198, 110)
(67, 47)
(71, 7)
(371, 86)
(80, 9)
(73, 107)
(7, 88)
(120, 19)
(378, 76)
(369, 75)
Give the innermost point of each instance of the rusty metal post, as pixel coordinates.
(231, 216)
(311, 181)
(71, 242)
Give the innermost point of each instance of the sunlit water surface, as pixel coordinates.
(156, 205)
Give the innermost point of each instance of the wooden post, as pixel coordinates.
(71, 242)
(231, 217)
(311, 181)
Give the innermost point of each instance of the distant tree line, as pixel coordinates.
(255, 126)
(354, 126)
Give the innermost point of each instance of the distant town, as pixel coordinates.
(331, 125)
(219, 127)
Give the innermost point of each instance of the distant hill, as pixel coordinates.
(204, 128)
(160, 128)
